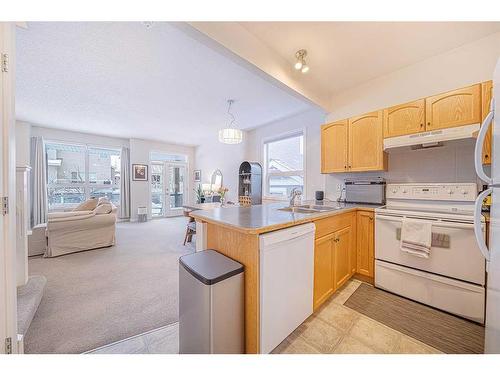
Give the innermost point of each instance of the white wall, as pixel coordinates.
(51, 134)
(468, 64)
(212, 155)
(139, 154)
(310, 121)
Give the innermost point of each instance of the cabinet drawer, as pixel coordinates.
(333, 224)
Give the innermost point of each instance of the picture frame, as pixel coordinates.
(197, 175)
(139, 172)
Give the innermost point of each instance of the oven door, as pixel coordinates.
(454, 251)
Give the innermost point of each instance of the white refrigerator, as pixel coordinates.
(492, 252)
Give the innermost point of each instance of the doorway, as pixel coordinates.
(168, 188)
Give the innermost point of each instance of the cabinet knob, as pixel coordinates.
(422, 125)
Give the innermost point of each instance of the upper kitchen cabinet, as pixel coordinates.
(486, 95)
(404, 119)
(334, 145)
(454, 108)
(366, 143)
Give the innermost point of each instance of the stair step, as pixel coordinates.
(28, 300)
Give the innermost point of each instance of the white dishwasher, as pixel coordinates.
(286, 282)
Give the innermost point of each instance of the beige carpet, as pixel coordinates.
(97, 297)
(443, 331)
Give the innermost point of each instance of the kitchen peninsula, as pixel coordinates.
(339, 250)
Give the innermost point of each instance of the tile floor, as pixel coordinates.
(332, 329)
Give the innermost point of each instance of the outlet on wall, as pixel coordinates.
(339, 187)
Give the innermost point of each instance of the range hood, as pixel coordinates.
(434, 138)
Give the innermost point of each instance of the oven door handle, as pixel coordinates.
(481, 243)
(441, 224)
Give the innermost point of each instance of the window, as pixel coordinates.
(78, 172)
(284, 165)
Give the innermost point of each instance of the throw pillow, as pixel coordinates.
(103, 200)
(104, 208)
(88, 205)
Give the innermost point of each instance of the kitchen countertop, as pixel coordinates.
(267, 217)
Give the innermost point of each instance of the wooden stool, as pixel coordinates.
(190, 228)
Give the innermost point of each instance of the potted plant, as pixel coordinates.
(200, 198)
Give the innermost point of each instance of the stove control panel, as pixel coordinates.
(438, 192)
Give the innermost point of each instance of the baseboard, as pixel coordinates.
(366, 279)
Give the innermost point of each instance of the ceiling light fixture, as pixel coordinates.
(301, 64)
(230, 135)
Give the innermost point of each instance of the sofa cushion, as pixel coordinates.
(104, 208)
(88, 205)
(102, 200)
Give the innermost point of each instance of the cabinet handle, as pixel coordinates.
(428, 124)
(422, 125)
(371, 218)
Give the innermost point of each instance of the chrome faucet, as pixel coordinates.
(294, 194)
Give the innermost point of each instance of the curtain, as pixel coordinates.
(125, 184)
(39, 204)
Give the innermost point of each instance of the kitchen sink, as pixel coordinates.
(308, 209)
(297, 209)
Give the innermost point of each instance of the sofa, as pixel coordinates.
(91, 225)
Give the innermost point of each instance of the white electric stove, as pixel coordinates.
(453, 277)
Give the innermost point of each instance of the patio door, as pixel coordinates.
(168, 188)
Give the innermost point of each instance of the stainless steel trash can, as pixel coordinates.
(211, 305)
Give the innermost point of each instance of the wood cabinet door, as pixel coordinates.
(454, 108)
(404, 119)
(334, 147)
(486, 95)
(353, 259)
(323, 269)
(365, 243)
(366, 143)
(342, 250)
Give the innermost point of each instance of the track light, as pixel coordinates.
(301, 64)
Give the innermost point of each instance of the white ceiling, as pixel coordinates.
(125, 80)
(342, 55)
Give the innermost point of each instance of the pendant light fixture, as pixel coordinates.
(230, 135)
(301, 64)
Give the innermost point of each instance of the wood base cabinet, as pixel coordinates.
(342, 248)
(365, 244)
(323, 269)
(334, 255)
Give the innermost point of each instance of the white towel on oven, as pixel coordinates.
(416, 237)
